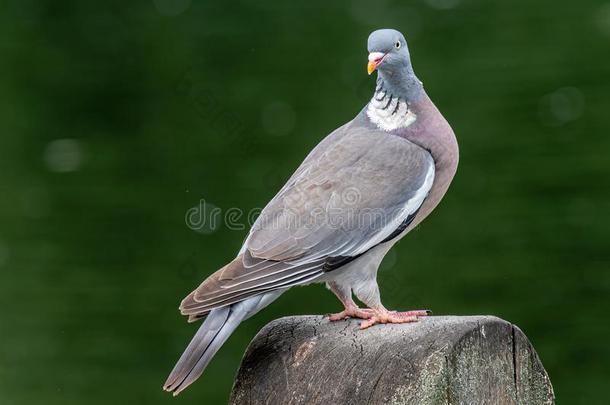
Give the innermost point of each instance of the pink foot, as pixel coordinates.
(351, 312)
(385, 316)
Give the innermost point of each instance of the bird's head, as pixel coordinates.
(388, 52)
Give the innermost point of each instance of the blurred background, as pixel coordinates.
(118, 119)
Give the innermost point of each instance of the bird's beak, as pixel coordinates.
(375, 59)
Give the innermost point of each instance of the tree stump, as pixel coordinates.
(438, 360)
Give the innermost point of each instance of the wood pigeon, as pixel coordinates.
(359, 191)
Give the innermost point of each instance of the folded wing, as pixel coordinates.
(348, 196)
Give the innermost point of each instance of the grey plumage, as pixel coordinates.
(214, 331)
(361, 189)
(290, 242)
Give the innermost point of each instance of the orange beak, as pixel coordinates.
(375, 59)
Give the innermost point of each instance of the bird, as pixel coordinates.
(360, 190)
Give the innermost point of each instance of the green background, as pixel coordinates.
(116, 118)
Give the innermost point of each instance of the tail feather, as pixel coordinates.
(215, 330)
(197, 347)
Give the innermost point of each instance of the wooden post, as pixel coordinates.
(438, 360)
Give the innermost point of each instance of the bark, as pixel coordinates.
(438, 360)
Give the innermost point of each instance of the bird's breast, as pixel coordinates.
(432, 132)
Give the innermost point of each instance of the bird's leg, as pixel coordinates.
(368, 292)
(351, 309)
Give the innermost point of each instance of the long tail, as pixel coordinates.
(215, 330)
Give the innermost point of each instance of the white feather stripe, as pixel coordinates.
(411, 206)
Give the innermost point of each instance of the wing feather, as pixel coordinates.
(352, 192)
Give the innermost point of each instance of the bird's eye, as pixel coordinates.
(397, 45)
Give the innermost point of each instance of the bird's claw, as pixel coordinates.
(361, 313)
(385, 316)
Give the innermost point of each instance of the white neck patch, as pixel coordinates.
(388, 111)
